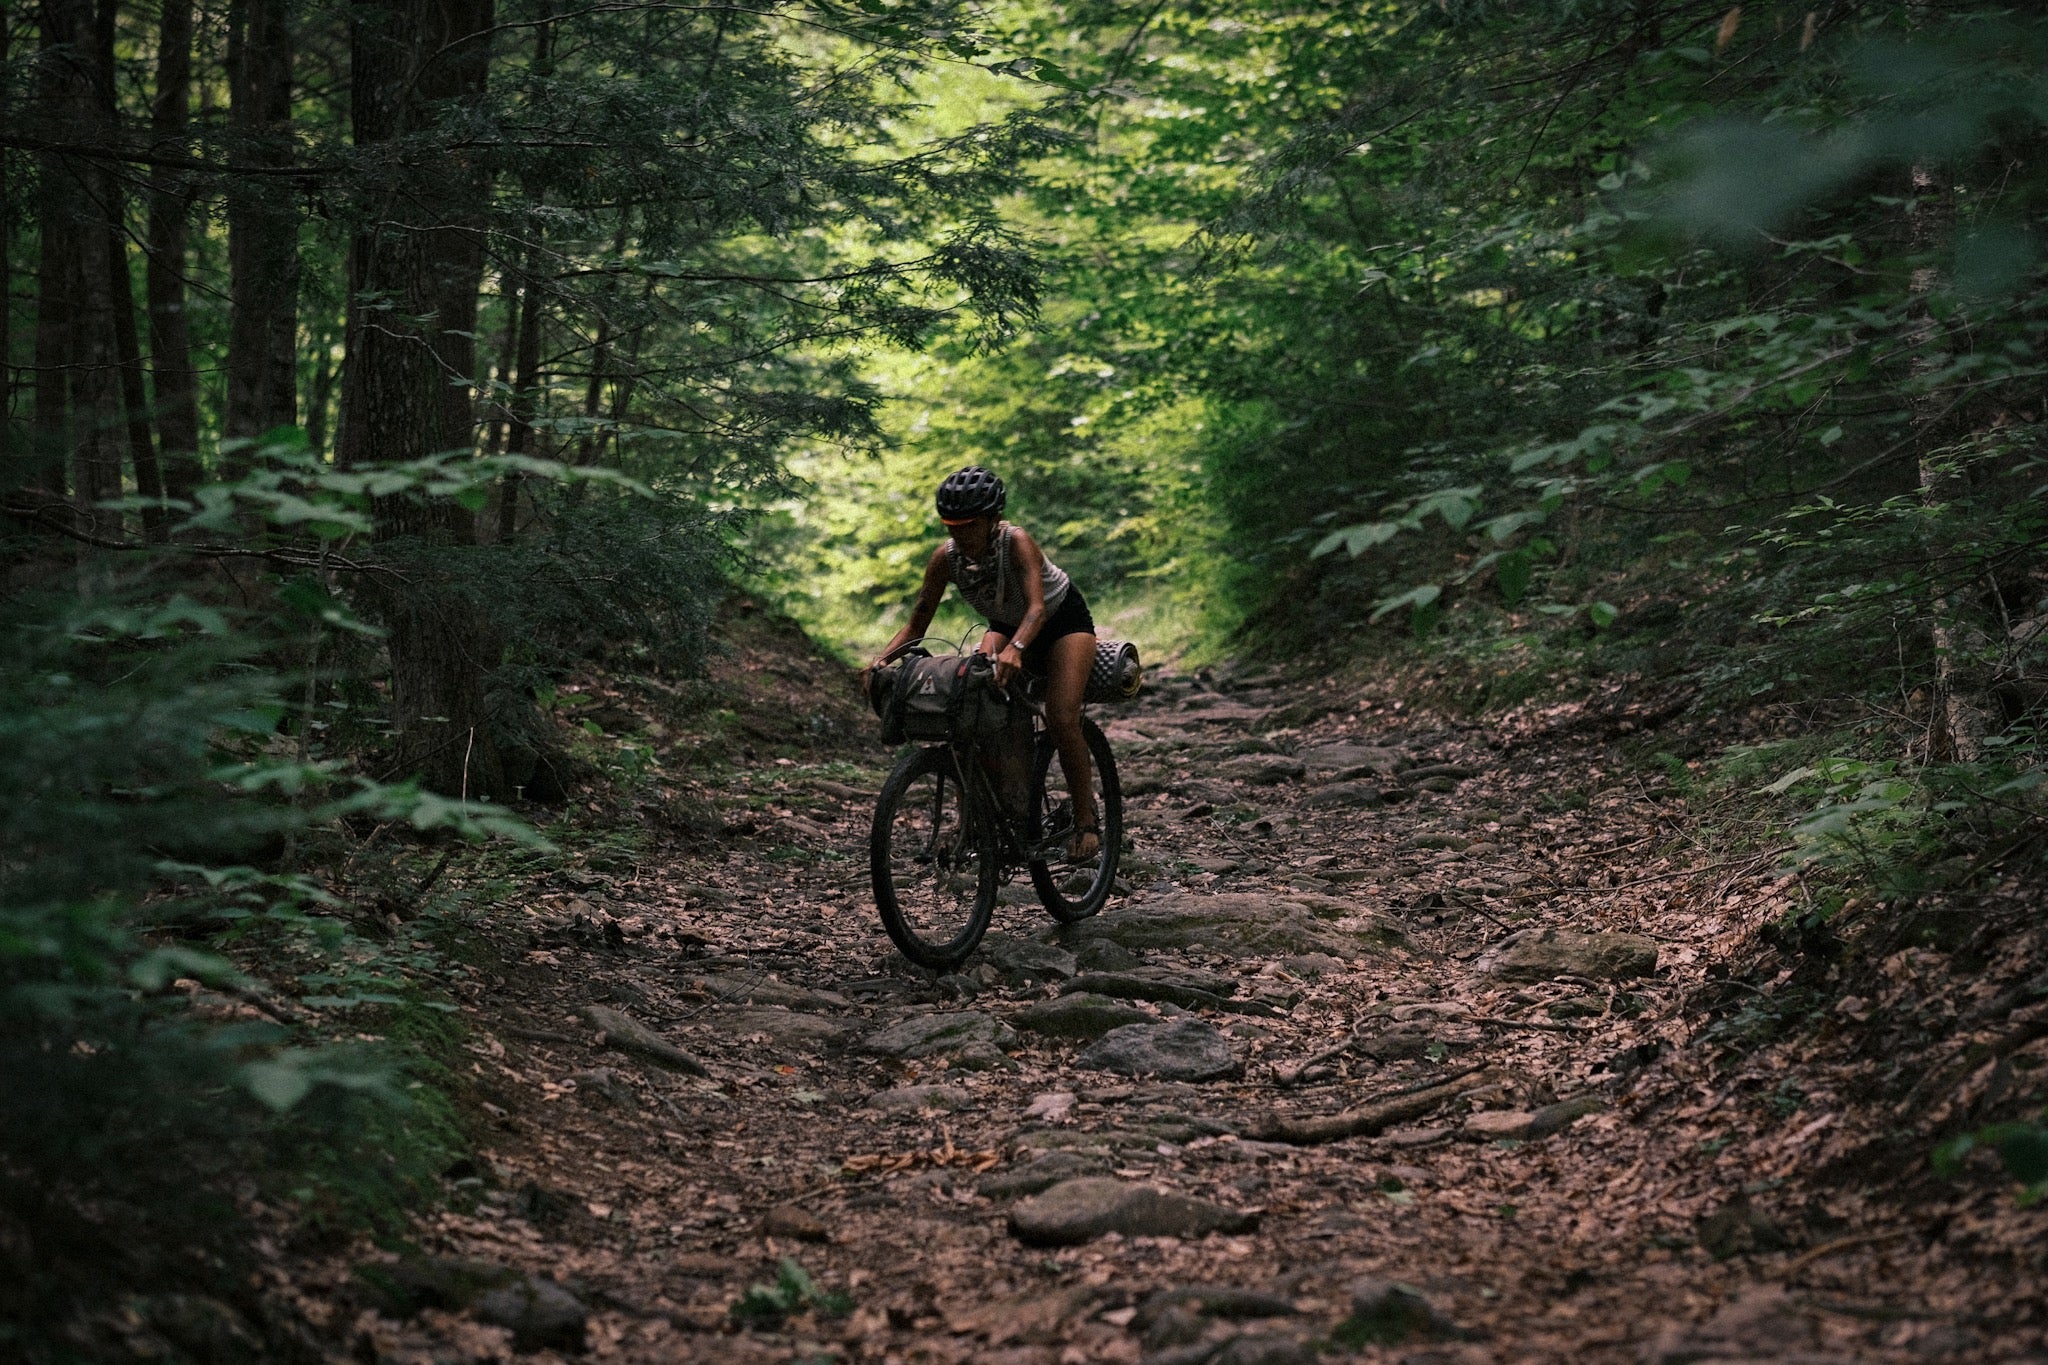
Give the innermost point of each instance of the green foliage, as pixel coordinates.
(167, 788)
(794, 1291)
(2022, 1147)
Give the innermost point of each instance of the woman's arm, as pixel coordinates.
(1031, 564)
(937, 574)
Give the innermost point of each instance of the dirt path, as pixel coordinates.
(1323, 900)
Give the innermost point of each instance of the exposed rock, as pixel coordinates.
(1174, 985)
(1179, 1050)
(788, 1220)
(1555, 1118)
(1763, 1323)
(1174, 1326)
(1241, 922)
(1312, 964)
(402, 1288)
(1455, 772)
(1076, 1211)
(1214, 1300)
(1344, 757)
(1081, 1014)
(1263, 1349)
(1262, 769)
(914, 1099)
(1543, 954)
(1346, 795)
(1027, 958)
(1436, 839)
(602, 1086)
(1040, 1173)
(1738, 1228)
(752, 988)
(1387, 1313)
(1106, 955)
(630, 1036)
(1397, 1045)
(940, 1035)
(540, 1314)
(785, 1028)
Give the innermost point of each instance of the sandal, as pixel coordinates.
(1079, 833)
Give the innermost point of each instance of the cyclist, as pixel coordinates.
(1038, 622)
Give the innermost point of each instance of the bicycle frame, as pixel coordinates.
(985, 807)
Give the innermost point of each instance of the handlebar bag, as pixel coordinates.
(949, 697)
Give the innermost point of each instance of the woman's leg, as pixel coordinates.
(1065, 679)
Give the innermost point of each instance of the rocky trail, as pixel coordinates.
(1396, 1048)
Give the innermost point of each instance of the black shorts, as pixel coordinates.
(1072, 618)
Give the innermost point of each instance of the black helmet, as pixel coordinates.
(970, 492)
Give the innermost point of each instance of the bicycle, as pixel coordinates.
(942, 848)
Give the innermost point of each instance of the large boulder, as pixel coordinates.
(1076, 1211)
(966, 1039)
(1184, 1049)
(1081, 1014)
(1027, 959)
(1241, 923)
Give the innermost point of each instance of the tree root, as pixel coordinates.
(1373, 1118)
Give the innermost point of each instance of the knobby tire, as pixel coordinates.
(1051, 880)
(925, 835)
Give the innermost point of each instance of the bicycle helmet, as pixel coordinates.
(969, 493)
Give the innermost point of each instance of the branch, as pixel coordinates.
(100, 151)
(298, 559)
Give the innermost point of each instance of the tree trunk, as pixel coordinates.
(263, 229)
(525, 386)
(322, 396)
(61, 90)
(498, 405)
(77, 380)
(8, 448)
(149, 482)
(1966, 638)
(415, 269)
(175, 380)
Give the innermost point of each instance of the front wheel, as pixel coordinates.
(936, 868)
(1074, 891)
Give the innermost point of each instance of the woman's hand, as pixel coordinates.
(1009, 664)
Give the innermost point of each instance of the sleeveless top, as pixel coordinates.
(993, 587)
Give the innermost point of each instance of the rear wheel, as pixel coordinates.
(1074, 891)
(935, 867)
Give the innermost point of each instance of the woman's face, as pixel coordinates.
(973, 536)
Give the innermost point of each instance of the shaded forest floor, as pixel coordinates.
(1680, 1136)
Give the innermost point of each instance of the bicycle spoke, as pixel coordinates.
(1075, 889)
(934, 879)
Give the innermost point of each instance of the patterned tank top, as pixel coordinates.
(992, 585)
